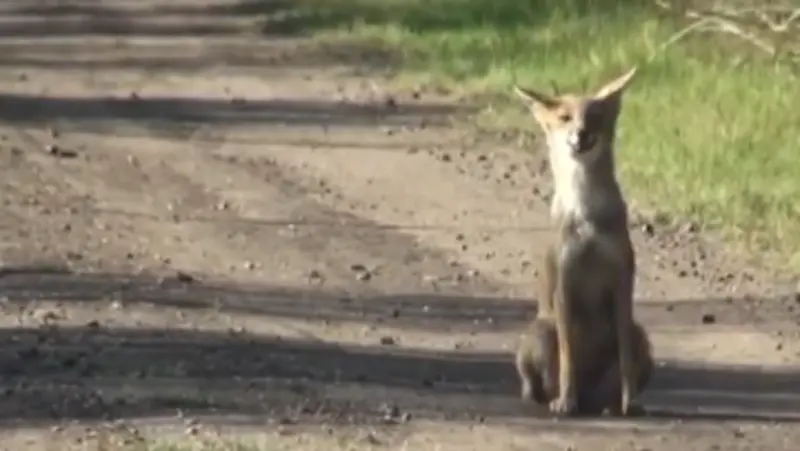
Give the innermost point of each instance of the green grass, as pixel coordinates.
(709, 130)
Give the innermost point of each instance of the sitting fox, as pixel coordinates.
(584, 353)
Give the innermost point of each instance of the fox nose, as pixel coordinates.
(580, 140)
(574, 139)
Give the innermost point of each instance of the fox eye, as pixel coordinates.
(565, 117)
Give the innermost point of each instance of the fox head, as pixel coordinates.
(578, 127)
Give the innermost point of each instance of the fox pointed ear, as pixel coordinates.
(615, 88)
(535, 99)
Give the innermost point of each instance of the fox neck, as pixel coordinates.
(584, 191)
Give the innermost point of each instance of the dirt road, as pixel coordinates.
(211, 232)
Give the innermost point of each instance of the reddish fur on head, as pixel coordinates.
(577, 125)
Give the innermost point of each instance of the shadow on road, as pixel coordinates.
(177, 56)
(17, 108)
(181, 19)
(99, 371)
(411, 311)
(302, 16)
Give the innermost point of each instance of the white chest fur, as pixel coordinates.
(572, 196)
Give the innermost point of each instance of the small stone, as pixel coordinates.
(391, 411)
(249, 265)
(57, 151)
(74, 256)
(46, 315)
(388, 341)
(184, 277)
(314, 276)
(709, 318)
(648, 229)
(371, 439)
